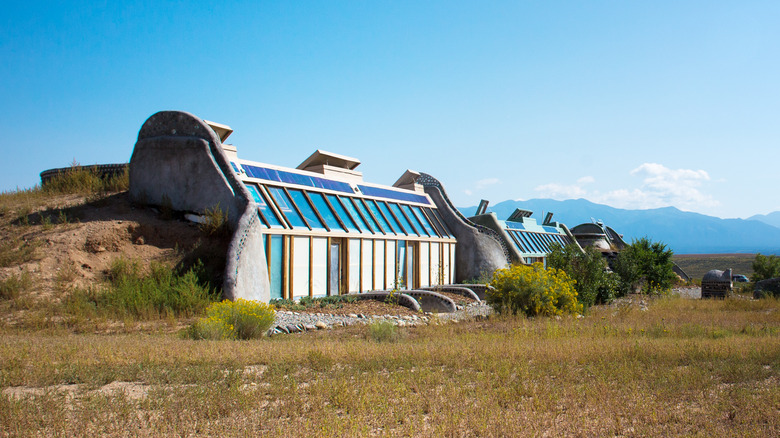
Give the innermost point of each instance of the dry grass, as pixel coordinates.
(684, 367)
(696, 265)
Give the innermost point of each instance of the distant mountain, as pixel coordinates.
(684, 232)
(771, 218)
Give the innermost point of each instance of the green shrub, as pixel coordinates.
(383, 331)
(533, 290)
(132, 292)
(647, 265)
(594, 284)
(765, 267)
(239, 319)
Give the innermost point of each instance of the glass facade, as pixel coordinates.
(321, 243)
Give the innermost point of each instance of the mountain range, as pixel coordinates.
(684, 232)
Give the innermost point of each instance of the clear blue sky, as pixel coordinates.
(632, 104)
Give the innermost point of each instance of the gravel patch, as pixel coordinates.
(298, 322)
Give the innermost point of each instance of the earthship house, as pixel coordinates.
(525, 240)
(315, 230)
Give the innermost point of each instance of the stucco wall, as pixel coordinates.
(479, 251)
(178, 161)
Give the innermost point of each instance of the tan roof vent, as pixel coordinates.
(330, 164)
(408, 181)
(222, 131)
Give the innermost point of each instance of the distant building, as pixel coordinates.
(528, 241)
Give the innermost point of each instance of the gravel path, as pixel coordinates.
(297, 322)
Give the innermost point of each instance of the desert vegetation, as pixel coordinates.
(683, 367)
(143, 347)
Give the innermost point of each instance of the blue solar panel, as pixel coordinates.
(515, 225)
(392, 194)
(552, 230)
(296, 178)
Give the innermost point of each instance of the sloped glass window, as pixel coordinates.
(362, 208)
(306, 209)
(400, 216)
(424, 221)
(342, 213)
(441, 221)
(415, 222)
(353, 211)
(265, 211)
(529, 243)
(285, 206)
(325, 211)
(393, 223)
(378, 215)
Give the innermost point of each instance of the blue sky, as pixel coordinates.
(630, 104)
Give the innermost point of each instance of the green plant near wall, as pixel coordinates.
(594, 283)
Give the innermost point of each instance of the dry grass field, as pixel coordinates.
(678, 367)
(681, 368)
(696, 265)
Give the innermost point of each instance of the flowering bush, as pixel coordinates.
(239, 319)
(533, 290)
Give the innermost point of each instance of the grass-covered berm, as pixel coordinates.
(680, 368)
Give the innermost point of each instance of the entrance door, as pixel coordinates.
(334, 268)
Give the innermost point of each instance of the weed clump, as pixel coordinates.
(383, 331)
(134, 293)
(13, 285)
(533, 290)
(239, 319)
(215, 222)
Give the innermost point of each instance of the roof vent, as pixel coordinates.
(519, 214)
(330, 164)
(408, 181)
(222, 131)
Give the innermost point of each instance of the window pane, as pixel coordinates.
(275, 266)
(424, 221)
(325, 211)
(353, 211)
(285, 206)
(441, 222)
(415, 222)
(400, 216)
(362, 208)
(305, 207)
(262, 205)
(393, 223)
(375, 210)
(345, 217)
(432, 220)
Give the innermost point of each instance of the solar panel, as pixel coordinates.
(392, 194)
(515, 225)
(296, 178)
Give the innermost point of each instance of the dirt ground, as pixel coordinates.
(79, 252)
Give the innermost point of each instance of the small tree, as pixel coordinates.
(647, 265)
(594, 284)
(765, 267)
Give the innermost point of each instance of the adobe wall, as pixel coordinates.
(178, 162)
(479, 251)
